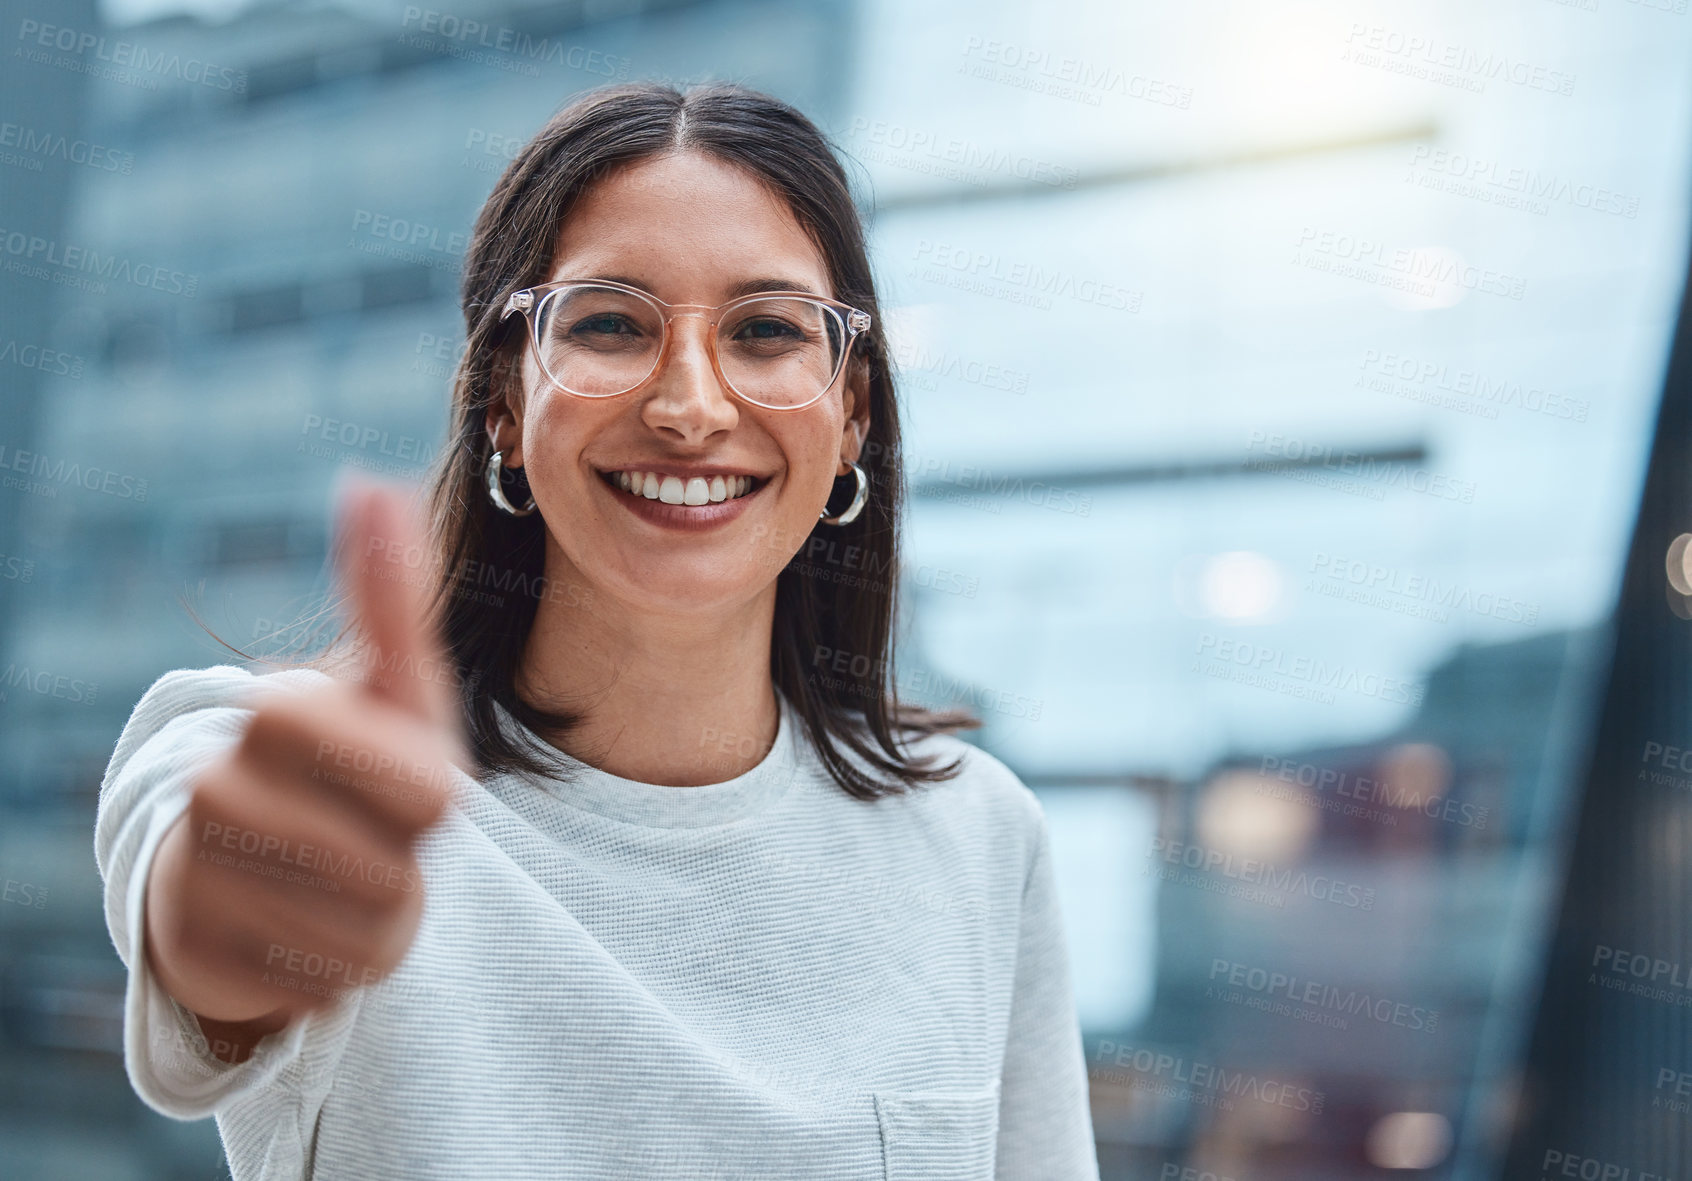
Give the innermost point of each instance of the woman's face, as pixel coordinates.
(686, 228)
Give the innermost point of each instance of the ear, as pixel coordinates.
(856, 427)
(504, 416)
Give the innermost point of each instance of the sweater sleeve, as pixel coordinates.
(186, 719)
(1045, 1122)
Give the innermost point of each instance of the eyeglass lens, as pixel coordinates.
(598, 342)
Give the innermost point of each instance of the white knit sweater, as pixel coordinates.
(761, 978)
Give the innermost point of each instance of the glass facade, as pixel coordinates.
(1279, 383)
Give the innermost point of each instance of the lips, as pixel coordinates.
(692, 487)
(684, 504)
(681, 489)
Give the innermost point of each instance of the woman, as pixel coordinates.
(638, 870)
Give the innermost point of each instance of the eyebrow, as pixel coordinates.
(744, 287)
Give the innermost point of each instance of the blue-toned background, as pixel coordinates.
(1278, 381)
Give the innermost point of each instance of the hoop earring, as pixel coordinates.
(859, 499)
(497, 494)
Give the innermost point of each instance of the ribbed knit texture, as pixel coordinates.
(761, 978)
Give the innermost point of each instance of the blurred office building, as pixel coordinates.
(1279, 384)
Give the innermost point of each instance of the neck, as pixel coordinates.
(681, 699)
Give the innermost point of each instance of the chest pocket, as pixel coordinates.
(938, 1135)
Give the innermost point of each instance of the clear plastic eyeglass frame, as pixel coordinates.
(530, 300)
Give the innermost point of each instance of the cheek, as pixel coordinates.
(812, 456)
(544, 422)
(813, 451)
(553, 431)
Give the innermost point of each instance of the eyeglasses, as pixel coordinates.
(598, 339)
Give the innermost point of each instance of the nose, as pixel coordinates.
(686, 397)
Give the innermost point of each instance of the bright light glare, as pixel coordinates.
(1409, 1140)
(1239, 584)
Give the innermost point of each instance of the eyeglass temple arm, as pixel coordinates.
(522, 301)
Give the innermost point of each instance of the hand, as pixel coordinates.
(292, 874)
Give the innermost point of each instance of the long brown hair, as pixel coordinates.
(836, 615)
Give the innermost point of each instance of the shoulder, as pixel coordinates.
(985, 803)
(184, 691)
(983, 780)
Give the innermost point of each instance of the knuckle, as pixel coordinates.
(269, 722)
(208, 787)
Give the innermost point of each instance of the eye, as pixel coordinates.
(603, 324)
(768, 329)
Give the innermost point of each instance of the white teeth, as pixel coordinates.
(695, 490)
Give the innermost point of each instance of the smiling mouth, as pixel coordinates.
(693, 491)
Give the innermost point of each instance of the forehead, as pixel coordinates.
(688, 226)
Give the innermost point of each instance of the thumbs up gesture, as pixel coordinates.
(292, 875)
